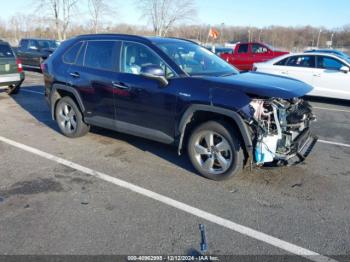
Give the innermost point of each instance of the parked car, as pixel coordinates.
(11, 71)
(327, 73)
(330, 51)
(176, 92)
(244, 55)
(33, 51)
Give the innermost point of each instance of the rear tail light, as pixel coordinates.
(19, 66)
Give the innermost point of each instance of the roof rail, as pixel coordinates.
(111, 34)
(183, 39)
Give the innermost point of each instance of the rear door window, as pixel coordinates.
(301, 61)
(101, 55)
(5, 51)
(243, 49)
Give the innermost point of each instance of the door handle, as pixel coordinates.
(317, 75)
(75, 75)
(119, 85)
(284, 73)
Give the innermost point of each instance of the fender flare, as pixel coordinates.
(242, 126)
(54, 96)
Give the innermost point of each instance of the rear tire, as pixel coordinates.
(215, 150)
(70, 119)
(13, 90)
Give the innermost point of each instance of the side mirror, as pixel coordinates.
(345, 69)
(156, 73)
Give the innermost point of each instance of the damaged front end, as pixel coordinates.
(281, 130)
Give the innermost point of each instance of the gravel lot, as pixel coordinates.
(49, 208)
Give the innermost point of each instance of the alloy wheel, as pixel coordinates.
(67, 118)
(213, 152)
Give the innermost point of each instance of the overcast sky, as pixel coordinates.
(259, 13)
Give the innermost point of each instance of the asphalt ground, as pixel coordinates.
(88, 205)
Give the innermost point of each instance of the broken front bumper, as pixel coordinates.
(301, 148)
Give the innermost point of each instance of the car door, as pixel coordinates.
(92, 75)
(143, 106)
(260, 53)
(301, 67)
(329, 80)
(242, 59)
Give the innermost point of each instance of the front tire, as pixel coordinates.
(215, 150)
(69, 118)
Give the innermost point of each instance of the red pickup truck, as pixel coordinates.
(244, 55)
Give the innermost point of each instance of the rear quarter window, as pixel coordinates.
(282, 62)
(70, 56)
(6, 51)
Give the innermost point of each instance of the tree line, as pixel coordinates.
(57, 19)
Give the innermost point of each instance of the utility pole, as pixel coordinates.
(332, 40)
(209, 26)
(260, 32)
(221, 32)
(318, 39)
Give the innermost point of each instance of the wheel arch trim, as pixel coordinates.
(55, 96)
(243, 129)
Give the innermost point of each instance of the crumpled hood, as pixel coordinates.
(265, 85)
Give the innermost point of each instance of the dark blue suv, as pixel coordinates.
(177, 92)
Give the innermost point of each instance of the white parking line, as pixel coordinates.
(276, 242)
(333, 143)
(31, 91)
(331, 109)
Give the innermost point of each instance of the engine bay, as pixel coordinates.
(281, 129)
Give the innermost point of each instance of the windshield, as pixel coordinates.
(272, 48)
(196, 60)
(48, 44)
(338, 53)
(5, 51)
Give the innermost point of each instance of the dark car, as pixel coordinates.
(177, 92)
(330, 51)
(11, 71)
(33, 51)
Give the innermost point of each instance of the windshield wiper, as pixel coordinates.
(229, 74)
